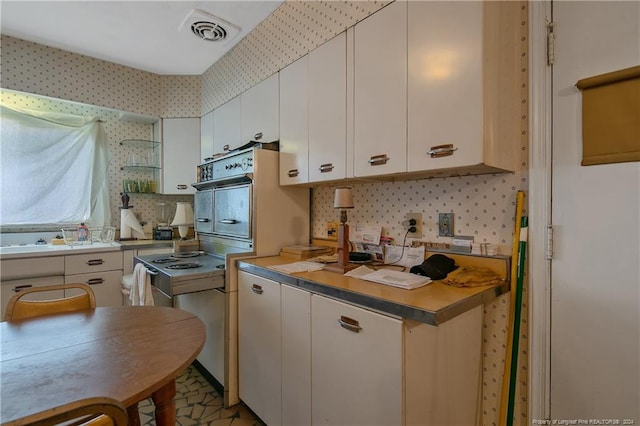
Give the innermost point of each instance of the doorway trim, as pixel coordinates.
(539, 206)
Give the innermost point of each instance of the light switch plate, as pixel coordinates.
(445, 224)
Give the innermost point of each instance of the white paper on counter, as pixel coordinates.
(369, 234)
(411, 256)
(393, 278)
(359, 272)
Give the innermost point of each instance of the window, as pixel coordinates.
(53, 169)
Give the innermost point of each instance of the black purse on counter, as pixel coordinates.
(436, 267)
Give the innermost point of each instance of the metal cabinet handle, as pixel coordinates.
(377, 160)
(293, 173)
(349, 324)
(257, 289)
(324, 168)
(202, 219)
(94, 281)
(441, 151)
(95, 262)
(181, 186)
(228, 221)
(257, 136)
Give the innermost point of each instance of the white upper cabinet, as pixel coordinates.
(180, 154)
(463, 86)
(294, 123)
(206, 136)
(328, 110)
(260, 112)
(380, 113)
(226, 126)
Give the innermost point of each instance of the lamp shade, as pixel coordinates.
(343, 199)
(184, 214)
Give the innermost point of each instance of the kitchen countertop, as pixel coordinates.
(433, 304)
(44, 250)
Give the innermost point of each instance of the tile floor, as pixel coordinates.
(198, 403)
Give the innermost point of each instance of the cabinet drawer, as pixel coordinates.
(84, 263)
(17, 269)
(105, 285)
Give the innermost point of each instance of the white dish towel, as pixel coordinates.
(141, 294)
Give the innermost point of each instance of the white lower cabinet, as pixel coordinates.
(309, 359)
(101, 271)
(356, 367)
(259, 346)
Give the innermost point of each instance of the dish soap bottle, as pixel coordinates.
(83, 232)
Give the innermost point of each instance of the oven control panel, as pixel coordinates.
(229, 166)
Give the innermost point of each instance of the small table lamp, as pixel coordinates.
(183, 218)
(343, 199)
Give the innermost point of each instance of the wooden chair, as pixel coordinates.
(86, 412)
(21, 309)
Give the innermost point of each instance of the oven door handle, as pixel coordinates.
(229, 221)
(152, 272)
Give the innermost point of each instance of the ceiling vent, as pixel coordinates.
(208, 27)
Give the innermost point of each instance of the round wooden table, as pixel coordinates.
(126, 353)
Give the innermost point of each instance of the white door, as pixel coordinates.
(595, 280)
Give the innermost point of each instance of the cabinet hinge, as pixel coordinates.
(551, 37)
(549, 247)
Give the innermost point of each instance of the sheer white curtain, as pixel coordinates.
(53, 169)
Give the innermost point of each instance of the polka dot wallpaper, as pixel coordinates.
(483, 206)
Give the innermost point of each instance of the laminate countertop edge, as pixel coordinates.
(437, 317)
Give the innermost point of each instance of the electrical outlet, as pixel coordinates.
(417, 217)
(445, 224)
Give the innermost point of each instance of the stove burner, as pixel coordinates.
(187, 265)
(186, 254)
(164, 260)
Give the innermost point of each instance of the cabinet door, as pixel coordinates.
(380, 104)
(106, 286)
(296, 356)
(261, 111)
(206, 136)
(203, 211)
(328, 110)
(445, 83)
(294, 123)
(11, 287)
(259, 346)
(226, 126)
(180, 154)
(356, 370)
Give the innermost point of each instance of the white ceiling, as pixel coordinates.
(146, 35)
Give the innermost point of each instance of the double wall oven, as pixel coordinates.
(239, 211)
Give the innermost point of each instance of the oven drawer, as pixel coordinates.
(232, 211)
